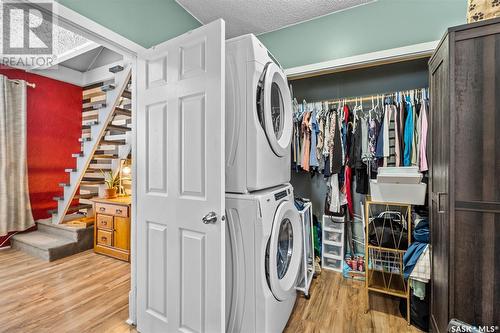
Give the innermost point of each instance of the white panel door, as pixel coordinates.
(180, 179)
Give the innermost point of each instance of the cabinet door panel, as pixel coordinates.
(477, 268)
(477, 149)
(121, 237)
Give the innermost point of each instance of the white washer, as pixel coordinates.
(263, 256)
(259, 118)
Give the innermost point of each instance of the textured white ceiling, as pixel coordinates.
(260, 16)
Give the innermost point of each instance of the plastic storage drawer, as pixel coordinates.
(332, 263)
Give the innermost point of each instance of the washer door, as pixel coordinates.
(276, 109)
(285, 250)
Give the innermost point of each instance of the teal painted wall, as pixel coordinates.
(377, 26)
(381, 25)
(146, 22)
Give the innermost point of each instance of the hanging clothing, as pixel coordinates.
(365, 152)
(306, 141)
(408, 133)
(372, 137)
(348, 190)
(385, 132)
(335, 152)
(402, 120)
(416, 130)
(314, 128)
(334, 194)
(321, 135)
(423, 138)
(390, 159)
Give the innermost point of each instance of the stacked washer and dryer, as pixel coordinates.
(264, 232)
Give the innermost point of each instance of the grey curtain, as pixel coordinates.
(15, 208)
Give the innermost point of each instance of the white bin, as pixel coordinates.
(412, 194)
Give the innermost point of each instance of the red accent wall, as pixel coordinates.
(54, 126)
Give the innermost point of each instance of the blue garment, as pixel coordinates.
(408, 135)
(421, 232)
(313, 160)
(421, 236)
(411, 257)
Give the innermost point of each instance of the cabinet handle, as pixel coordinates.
(118, 211)
(102, 209)
(103, 239)
(439, 209)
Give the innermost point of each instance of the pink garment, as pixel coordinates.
(306, 129)
(423, 138)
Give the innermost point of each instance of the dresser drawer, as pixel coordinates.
(111, 210)
(104, 222)
(104, 237)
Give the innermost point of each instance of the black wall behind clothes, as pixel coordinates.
(361, 82)
(355, 83)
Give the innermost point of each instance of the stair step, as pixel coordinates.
(123, 112)
(107, 87)
(99, 165)
(104, 151)
(127, 94)
(51, 246)
(78, 196)
(89, 170)
(71, 209)
(92, 86)
(91, 182)
(118, 128)
(116, 69)
(90, 124)
(85, 139)
(70, 170)
(87, 116)
(80, 154)
(105, 157)
(120, 142)
(43, 245)
(94, 107)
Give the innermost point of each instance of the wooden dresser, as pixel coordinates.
(112, 227)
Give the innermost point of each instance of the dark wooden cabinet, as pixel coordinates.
(464, 146)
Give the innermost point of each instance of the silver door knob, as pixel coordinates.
(210, 218)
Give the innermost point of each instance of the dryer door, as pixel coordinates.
(276, 104)
(285, 250)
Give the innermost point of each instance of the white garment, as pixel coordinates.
(334, 194)
(422, 270)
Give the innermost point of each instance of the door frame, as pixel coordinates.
(71, 20)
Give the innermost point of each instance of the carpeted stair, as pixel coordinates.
(54, 241)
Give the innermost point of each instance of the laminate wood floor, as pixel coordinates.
(88, 292)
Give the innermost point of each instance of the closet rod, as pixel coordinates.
(368, 98)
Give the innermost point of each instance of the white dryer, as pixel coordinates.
(263, 256)
(259, 119)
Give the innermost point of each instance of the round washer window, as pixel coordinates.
(277, 110)
(285, 247)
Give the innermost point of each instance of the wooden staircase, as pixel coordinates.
(105, 142)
